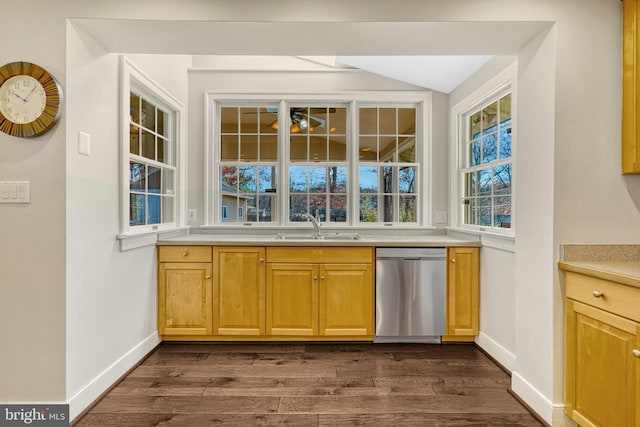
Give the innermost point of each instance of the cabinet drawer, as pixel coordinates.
(613, 297)
(345, 255)
(184, 253)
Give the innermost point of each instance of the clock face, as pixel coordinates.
(30, 100)
(22, 99)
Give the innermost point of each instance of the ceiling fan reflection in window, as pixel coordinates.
(303, 118)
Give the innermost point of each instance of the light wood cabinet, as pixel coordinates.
(184, 290)
(463, 289)
(630, 87)
(239, 291)
(320, 292)
(602, 352)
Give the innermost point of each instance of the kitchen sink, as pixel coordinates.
(325, 237)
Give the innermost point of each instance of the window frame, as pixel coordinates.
(133, 79)
(500, 85)
(422, 101)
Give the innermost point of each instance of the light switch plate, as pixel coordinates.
(193, 214)
(15, 192)
(84, 143)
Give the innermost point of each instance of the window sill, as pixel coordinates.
(138, 240)
(502, 241)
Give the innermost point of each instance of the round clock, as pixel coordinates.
(29, 100)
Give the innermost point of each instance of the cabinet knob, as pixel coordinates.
(208, 277)
(261, 259)
(636, 353)
(321, 277)
(315, 277)
(598, 294)
(453, 260)
(185, 253)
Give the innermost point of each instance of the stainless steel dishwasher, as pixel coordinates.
(410, 294)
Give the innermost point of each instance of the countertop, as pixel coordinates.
(437, 240)
(618, 263)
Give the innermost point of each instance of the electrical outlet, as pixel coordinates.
(193, 214)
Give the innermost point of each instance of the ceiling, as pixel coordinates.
(434, 55)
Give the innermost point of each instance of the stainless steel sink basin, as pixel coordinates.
(325, 237)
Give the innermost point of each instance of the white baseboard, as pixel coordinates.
(532, 397)
(85, 397)
(498, 352)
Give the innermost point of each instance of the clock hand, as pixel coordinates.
(19, 97)
(26, 98)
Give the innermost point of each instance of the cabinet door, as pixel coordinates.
(292, 299)
(346, 300)
(630, 87)
(238, 291)
(602, 372)
(184, 298)
(463, 304)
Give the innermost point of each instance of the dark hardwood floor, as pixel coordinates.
(312, 385)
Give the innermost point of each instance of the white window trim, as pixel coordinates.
(147, 235)
(423, 99)
(504, 80)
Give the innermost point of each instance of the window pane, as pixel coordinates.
(368, 121)
(154, 210)
(229, 147)
(407, 150)
(406, 180)
(337, 179)
(490, 117)
(247, 176)
(388, 179)
(484, 181)
(318, 148)
(163, 147)
(148, 145)
(167, 182)
(248, 120)
(267, 179)
(387, 121)
(317, 180)
(269, 120)
(162, 119)
(297, 207)
(298, 179)
(505, 143)
(137, 177)
(368, 148)
(228, 179)
(489, 148)
(470, 184)
(387, 148)
(134, 108)
(265, 208)
(248, 148)
(318, 205)
(483, 209)
(407, 205)
(298, 148)
(406, 121)
(268, 148)
(368, 179)
(474, 126)
(337, 121)
(154, 179)
(137, 209)
(337, 148)
(369, 208)
(502, 212)
(469, 206)
(148, 115)
(134, 139)
(474, 153)
(388, 208)
(167, 209)
(505, 108)
(229, 120)
(502, 179)
(338, 205)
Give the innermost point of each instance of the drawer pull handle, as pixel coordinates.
(598, 294)
(185, 253)
(636, 353)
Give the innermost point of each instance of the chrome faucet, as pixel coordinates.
(316, 225)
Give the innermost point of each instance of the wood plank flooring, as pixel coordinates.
(315, 384)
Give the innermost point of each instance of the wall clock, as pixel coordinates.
(29, 100)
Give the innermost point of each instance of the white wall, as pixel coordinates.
(111, 295)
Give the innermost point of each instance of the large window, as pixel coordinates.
(151, 141)
(346, 162)
(486, 173)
